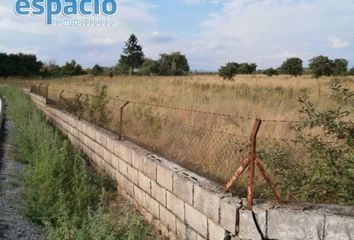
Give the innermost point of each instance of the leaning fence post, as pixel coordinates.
(121, 119)
(252, 162)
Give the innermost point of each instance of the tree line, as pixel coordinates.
(132, 61)
(318, 66)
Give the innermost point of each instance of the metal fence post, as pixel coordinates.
(252, 162)
(46, 93)
(121, 119)
(39, 89)
(60, 97)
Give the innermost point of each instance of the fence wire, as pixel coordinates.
(212, 144)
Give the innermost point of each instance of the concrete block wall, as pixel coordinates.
(183, 205)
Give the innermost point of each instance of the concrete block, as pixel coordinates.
(158, 192)
(145, 183)
(123, 151)
(164, 177)
(196, 220)
(139, 196)
(100, 163)
(125, 184)
(291, 224)
(133, 175)
(110, 171)
(90, 143)
(161, 228)
(110, 142)
(168, 219)
(183, 187)
(123, 167)
(152, 205)
(115, 161)
(138, 155)
(91, 132)
(181, 229)
(191, 234)
(175, 205)
(150, 168)
(207, 199)
(215, 232)
(147, 215)
(199, 237)
(247, 225)
(228, 213)
(100, 138)
(99, 150)
(339, 227)
(107, 156)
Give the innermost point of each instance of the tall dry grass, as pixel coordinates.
(212, 145)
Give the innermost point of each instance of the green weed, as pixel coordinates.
(59, 189)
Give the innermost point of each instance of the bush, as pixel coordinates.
(327, 137)
(270, 72)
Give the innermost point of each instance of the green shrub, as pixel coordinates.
(326, 172)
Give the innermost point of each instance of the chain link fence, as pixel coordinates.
(211, 144)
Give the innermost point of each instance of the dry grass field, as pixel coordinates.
(211, 144)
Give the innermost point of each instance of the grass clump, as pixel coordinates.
(59, 189)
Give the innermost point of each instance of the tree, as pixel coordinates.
(321, 66)
(51, 69)
(292, 66)
(229, 71)
(352, 71)
(173, 64)
(246, 68)
(340, 67)
(270, 72)
(19, 65)
(150, 67)
(97, 70)
(132, 57)
(72, 69)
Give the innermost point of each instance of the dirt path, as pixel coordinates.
(13, 225)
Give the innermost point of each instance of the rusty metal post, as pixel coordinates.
(39, 89)
(252, 163)
(78, 111)
(121, 119)
(60, 97)
(46, 93)
(268, 180)
(237, 174)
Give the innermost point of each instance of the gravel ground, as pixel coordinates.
(13, 224)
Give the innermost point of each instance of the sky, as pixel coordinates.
(209, 32)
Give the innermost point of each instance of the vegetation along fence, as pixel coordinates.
(307, 159)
